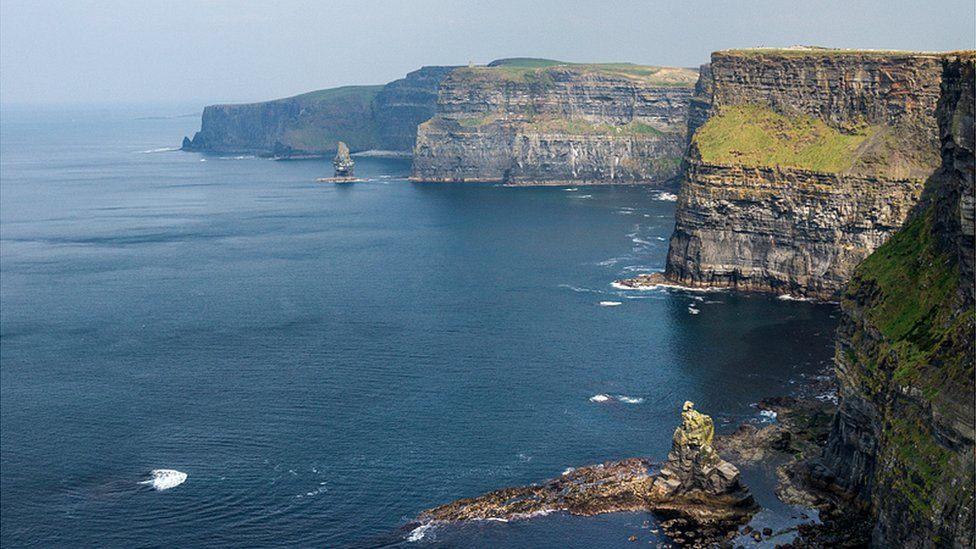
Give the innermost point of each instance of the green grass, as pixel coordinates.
(538, 71)
(364, 92)
(758, 136)
(579, 126)
(816, 51)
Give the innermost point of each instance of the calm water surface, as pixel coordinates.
(325, 362)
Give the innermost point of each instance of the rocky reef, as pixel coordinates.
(803, 161)
(311, 124)
(533, 121)
(902, 443)
(698, 493)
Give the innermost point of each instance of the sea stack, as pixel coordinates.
(343, 162)
(693, 468)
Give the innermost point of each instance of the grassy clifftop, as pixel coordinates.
(758, 136)
(525, 69)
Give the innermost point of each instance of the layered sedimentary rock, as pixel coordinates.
(544, 122)
(696, 490)
(342, 162)
(808, 161)
(902, 441)
(366, 117)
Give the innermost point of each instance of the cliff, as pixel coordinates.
(807, 160)
(530, 121)
(311, 124)
(902, 440)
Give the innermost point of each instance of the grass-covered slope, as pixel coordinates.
(758, 136)
(524, 69)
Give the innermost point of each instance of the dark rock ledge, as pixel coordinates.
(696, 492)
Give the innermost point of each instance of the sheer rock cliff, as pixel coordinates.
(528, 122)
(802, 163)
(902, 440)
(311, 124)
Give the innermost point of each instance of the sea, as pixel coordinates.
(201, 350)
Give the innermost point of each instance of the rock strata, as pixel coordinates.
(342, 162)
(902, 442)
(698, 494)
(522, 124)
(310, 125)
(802, 163)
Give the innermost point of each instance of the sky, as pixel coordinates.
(105, 51)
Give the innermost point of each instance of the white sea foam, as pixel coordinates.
(693, 310)
(570, 190)
(630, 400)
(666, 197)
(768, 415)
(159, 150)
(637, 240)
(569, 470)
(601, 398)
(164, 479)
(419, 532)
(583, 196)
(203, 160)
(610, 303)
(788, 297)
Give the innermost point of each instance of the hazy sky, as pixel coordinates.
(209, 51)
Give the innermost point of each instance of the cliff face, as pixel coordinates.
(366, 117)
(806, 162)
(404, 104)
(522, 123)
(902, 440)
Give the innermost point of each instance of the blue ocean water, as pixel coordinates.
(326, 361)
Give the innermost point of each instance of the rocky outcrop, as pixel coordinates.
(366, 117)
(342, 162)
(697, 492)
(521, 123)
(808, 161)
(902, 442)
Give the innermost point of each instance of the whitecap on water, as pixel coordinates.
(419, 532)
(610, 303)
(601, 398)
(666, 197)
(768, 415)
(692, 310)
(164, 479)
(630, 400)
(159, 150)
(570, 190)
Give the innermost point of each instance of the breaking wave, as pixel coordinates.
(164, 479)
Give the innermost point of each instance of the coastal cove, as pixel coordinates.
(325, 362)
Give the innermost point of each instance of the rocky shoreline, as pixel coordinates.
(697, 494)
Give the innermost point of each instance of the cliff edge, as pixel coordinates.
(902, 442)
(803, 162)
(536, 122)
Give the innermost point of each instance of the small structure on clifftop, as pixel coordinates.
(343, 162)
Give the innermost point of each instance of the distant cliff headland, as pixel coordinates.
(537, 121)
(312, 124)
